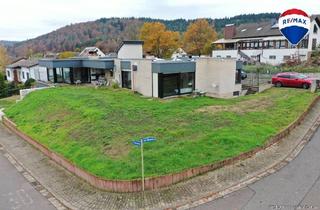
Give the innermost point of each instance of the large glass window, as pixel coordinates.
(59, 74)
(170, 85)
(50, 75)
(176, 84)
(66, 75)
(186, 83)
(126, 79)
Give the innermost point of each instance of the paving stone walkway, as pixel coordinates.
(76, 194)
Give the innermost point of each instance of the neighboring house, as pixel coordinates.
(92, 52)
(24, 69)
(263, 42)
(152, 78)
(179, 53)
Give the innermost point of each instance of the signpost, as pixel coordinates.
(140, 144)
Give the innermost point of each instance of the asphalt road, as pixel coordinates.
(296, 186)
(16, 193)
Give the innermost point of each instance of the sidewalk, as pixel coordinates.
(76, 194)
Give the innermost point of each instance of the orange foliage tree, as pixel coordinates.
(159, 41)
(199, 37)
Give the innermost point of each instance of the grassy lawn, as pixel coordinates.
(7, 102)
(95, 128)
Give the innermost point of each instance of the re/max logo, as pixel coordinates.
(294, 20)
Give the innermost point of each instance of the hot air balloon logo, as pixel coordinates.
(294, 24)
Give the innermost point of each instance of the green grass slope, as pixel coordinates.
(95, 128)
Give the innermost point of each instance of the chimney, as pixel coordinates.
(229, 31)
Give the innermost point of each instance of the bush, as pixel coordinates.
(115, 85)
(29, 83)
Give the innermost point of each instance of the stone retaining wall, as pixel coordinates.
(154, 182)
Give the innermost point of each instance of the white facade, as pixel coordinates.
(267, 56)
(131, 51)
(271, 55)
(217, 77)
(24, 73)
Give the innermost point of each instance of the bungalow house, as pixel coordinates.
(92, 52)
(24, 69)
(152, 78)
(263, 42)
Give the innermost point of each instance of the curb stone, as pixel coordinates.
(34, 183)
(273, 169)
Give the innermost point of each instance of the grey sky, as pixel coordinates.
(25, 19)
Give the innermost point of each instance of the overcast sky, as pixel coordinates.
(25, 19)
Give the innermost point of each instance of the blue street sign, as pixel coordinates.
(145, 140)
(136, 143)
(149, 139)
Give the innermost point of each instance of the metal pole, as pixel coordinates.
(142, 165)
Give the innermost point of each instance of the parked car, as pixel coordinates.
(292, 79)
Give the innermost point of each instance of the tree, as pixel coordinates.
(158, 40)
(4, 59)
(66, 54)
(198, 38)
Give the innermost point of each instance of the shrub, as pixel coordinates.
(29, 83)
(115, 85)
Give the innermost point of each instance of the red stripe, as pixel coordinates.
(294, 12)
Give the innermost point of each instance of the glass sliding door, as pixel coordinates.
(176, 84)
(66, 75)
(126, 79)
(170, 85)
(186, 83)
(51, 75)
(59, 74)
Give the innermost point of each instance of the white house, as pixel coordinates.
(24, 69)
(150, 77)
(179, 53)
(263, 42)
(92, 52)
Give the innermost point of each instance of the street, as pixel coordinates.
(296, 186)
(16, 192)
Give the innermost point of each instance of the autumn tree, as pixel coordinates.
(158, 40)
(4, 59)
(66, 54)
(198, 38)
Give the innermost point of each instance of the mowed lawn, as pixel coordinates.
(6, 102)
(94, 128)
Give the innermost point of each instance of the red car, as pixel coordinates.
(292, 79)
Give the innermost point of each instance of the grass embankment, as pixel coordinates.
(7, 102)
(94, 128)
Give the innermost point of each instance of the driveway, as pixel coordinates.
(16, 192)
(296, 186)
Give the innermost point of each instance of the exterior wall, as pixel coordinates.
(265, 54)
(131, 51)
(39, 73)
(216, 77)
(9, 75)
(155, 84)
(117, 72)
(313, 35)
(225, 54)
(142, 78)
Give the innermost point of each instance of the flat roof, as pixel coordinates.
(78, 63)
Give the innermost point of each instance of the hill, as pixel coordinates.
(6, 43)
(107, 33)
